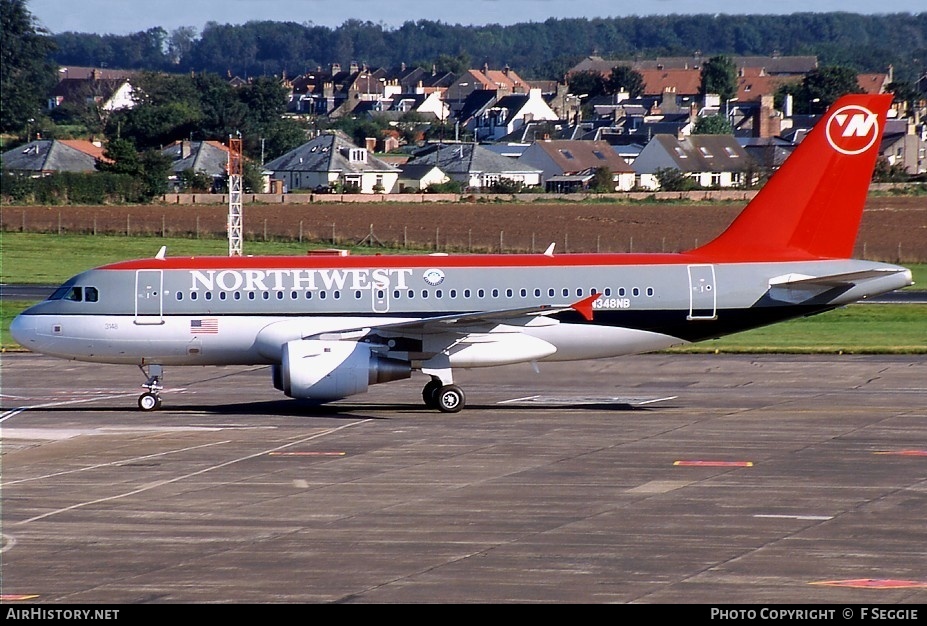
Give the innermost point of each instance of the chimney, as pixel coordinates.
(485, 69)
(354, 67)
(336, 68)
(186, 148)
(767, 122)
(370, 144)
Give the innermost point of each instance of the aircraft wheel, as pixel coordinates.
(450, 399)
(149, 401)
(430, 392)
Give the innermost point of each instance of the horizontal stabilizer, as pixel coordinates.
(832, 280)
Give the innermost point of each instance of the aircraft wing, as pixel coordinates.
(461, 322)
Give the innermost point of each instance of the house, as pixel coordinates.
(332, 161)
(569, 165)
(902, 146)
(415, 177)
(475, 167)
(109, 94)
(203, 157)
(48, 156)
(501, 116)
(710, 160)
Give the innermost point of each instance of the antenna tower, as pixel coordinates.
(235, 218)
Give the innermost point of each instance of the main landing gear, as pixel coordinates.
(445, 398)
(151, 399)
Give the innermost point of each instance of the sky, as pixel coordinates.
(121, 17)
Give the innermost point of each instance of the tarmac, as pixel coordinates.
(655, 479)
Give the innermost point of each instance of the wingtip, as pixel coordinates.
(584, 306)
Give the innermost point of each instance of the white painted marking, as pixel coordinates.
(802, 517)
(161, 483)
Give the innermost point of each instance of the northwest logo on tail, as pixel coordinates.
(852, 129)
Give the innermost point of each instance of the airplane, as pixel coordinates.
(330, 327)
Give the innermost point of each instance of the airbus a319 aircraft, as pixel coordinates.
(332, 326)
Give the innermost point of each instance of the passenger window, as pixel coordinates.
(424, 293)
(279, 295)
(466, 293)
(194, 295)
(222, 295)
(481, 293)
(265, 295)
(566, 293)
(208, 295)
(337, 295)
(650, 291)
(357, 295)
(537, 293)
(508, 293)
(294, 295)
(411, 294)
(396, 293)
(453, 293)
(608, 291)
(237, 295)
(91, 294)
(621, 292)
(635, 292)
(323, 294)
(495, 293)
(179, 295)
(250, 295)
(551, 293)
(439, 294)
(308, 295)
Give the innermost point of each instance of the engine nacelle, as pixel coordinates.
(329, 370)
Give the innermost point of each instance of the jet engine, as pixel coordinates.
(329, 370)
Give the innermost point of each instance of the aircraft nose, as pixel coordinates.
(22, 328)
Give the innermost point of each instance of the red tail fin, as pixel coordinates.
(813, 204)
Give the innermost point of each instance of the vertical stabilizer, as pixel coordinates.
(811, 207)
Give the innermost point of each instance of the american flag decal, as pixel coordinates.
(209, 326)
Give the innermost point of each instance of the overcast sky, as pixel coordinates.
(129, 16)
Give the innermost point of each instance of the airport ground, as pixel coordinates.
(655, 479)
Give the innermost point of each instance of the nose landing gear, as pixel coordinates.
(151, 399)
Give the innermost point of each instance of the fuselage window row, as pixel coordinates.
(91, 294)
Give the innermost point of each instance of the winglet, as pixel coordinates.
(584, 306)
(550, 249)
(162, 253)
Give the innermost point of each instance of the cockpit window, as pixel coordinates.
(76, 294)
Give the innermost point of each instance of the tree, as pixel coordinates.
(26, 72)
(820, 88)
(672, 179)
(602, 180)
(626, 79)
(719, 76)
(712, 125)
(589, 83)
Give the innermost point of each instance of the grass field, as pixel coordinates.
(868, 328)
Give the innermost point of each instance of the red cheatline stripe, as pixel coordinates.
(714, 463)
(905, 453)
(875, 583)
(307, 454)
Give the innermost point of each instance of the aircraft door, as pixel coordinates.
(380, 295)
(702, 293)
(149, 297)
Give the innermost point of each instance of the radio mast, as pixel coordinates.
(235, 218)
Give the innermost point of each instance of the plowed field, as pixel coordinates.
(893, 228)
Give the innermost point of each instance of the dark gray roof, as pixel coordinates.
(468, 158)
(48, 155)
(326, 153)
(202, 156)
